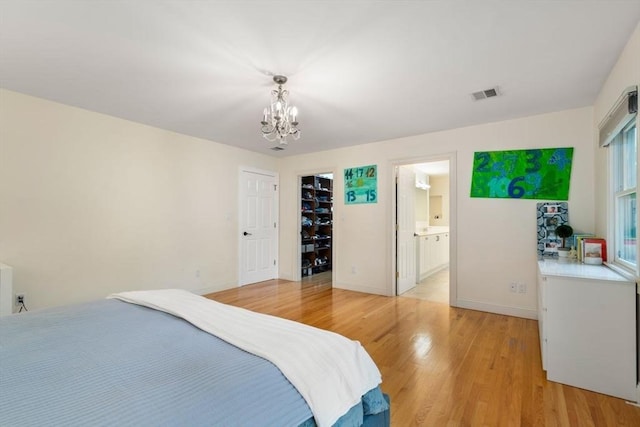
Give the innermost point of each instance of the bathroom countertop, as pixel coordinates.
(428, 231)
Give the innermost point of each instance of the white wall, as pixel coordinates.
(440, 188)
(91, 204)
(422, 205)
(496, 238)
(625, 73)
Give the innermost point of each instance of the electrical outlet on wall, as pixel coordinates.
(522, 288)
(513, 287)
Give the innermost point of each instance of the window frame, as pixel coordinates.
(616, 176)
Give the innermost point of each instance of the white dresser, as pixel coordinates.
(432, 252)
(587, 323)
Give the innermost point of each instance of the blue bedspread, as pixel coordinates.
(113, 363)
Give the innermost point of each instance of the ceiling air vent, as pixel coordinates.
(277, 148)
(484, 94)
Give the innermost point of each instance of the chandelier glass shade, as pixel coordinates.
(280, 120)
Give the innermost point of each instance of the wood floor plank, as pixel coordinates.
(441, 366)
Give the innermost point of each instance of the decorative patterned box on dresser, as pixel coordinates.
(587, 322)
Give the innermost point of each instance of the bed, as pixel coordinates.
(168, 358)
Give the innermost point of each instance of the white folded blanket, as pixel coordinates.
(331, 372)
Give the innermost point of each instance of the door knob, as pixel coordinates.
(246, 234)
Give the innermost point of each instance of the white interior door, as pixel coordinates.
(258, 226)
(406, 225)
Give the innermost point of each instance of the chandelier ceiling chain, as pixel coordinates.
(280, 120)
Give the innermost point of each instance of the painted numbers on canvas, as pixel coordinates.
(522, 174)
(361, 185)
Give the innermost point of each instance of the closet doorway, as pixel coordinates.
(425, 218)
(316, 228)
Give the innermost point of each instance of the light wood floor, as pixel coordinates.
(441, 366)
(434, 288)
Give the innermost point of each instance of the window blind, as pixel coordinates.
(624, 110)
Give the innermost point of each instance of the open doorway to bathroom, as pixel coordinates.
(428, 184)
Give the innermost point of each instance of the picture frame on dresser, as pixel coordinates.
(594, 247)
(549, 216)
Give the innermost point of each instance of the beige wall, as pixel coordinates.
(625, 73)
(91, 204)
(422, 205)
(495, 238)
(439, 188)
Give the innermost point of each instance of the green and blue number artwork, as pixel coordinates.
(360, 185)
(522, 174)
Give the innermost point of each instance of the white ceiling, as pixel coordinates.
(359, 71)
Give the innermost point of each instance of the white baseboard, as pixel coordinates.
(286, 277)
(498, 309)
(205, 291)
(424, 275)
(637, 402)
(213, 289)
(365, 289)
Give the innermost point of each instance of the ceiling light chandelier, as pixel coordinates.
(279, 120)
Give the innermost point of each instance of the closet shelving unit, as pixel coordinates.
(317, 224)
